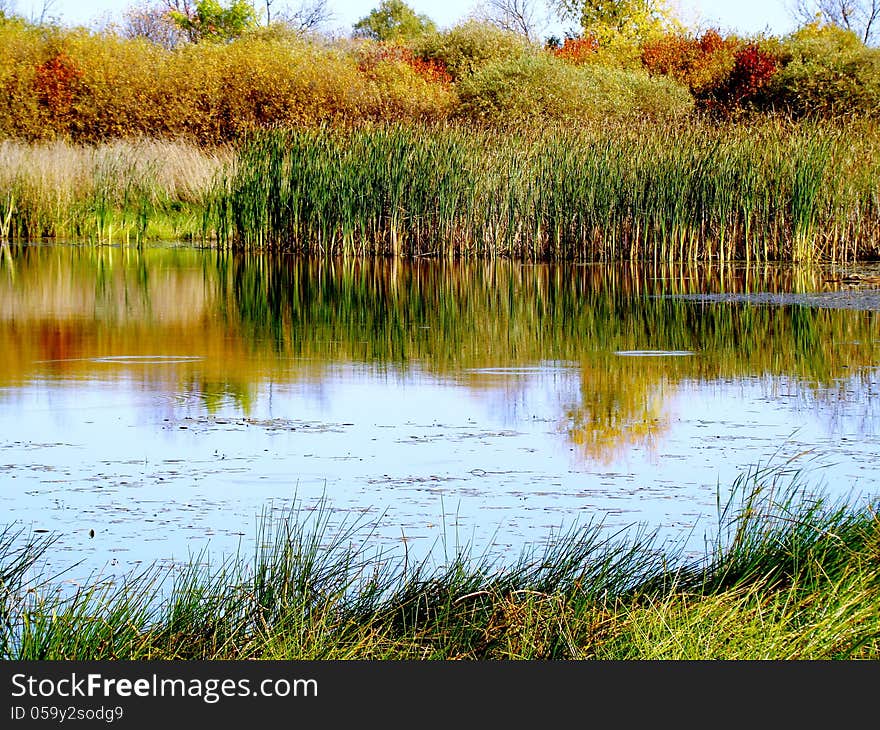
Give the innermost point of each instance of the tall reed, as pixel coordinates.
(669, 192)
(664, 192)
(125, 191)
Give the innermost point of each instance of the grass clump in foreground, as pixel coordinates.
(789, 576)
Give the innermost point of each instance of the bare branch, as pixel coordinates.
(151, 21)
(862, 17)
(525, 17)
(44, 15)
(309, 16)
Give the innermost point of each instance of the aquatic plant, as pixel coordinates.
(688, 192)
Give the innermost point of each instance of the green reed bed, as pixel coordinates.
(789, 575)
(119, 192)
(688, 191)
(662, 191)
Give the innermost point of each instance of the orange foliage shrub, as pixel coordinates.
(698, 63)
(55, 84)
(431, 69)
(577, 50)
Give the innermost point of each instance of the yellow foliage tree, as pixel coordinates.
(619, 26)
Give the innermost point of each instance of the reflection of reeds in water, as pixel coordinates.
(458, 318)
(114, 284)
(120, 191)
(255, 319)
(788, 575)
(669, 193)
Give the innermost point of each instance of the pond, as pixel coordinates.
(156, 402)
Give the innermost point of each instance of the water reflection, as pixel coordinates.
(472, 320)
(200, 323)
(212, 382)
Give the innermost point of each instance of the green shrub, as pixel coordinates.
(468, 47)
(826, 71)
(400, 93)
(543, 86)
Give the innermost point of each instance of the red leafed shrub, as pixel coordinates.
(430, 69)
(577, 50)
(751, 71)
(55, 83)
(753, 67)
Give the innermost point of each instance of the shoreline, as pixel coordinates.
(789, 576)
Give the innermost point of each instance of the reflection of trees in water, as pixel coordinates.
(622, 405)
(254, 320)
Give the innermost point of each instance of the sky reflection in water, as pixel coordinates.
(165, 398)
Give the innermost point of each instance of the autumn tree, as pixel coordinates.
(208, 20)
(862, 17)
(393, 20)
(609, 20)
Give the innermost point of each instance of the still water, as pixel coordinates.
(154, 403)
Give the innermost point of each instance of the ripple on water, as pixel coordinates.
(146, 359)
(653, 353)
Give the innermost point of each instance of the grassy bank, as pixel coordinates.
(790, 576)
(124, 191)
(676, 191)
(672, 192)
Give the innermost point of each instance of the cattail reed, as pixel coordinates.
(686, 192)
